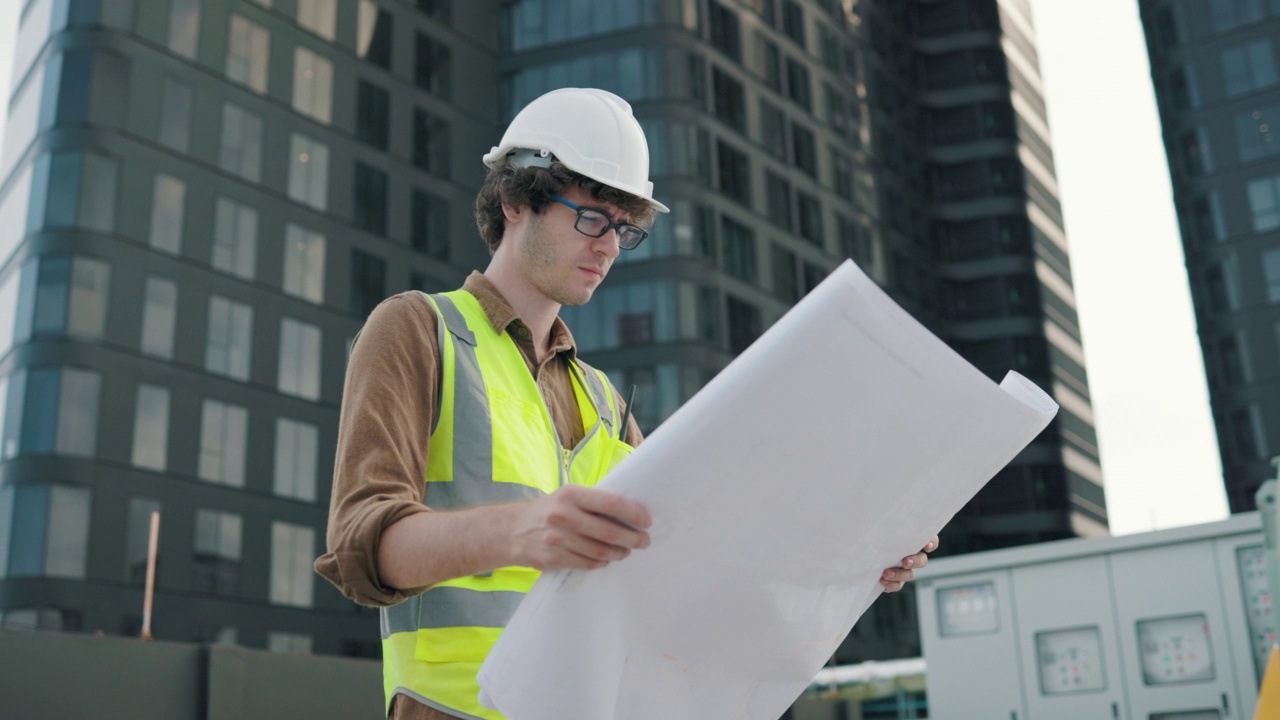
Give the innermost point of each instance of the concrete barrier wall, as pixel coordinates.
(62, 675)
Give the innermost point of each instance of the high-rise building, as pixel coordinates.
(203, 200)
(1213, 63)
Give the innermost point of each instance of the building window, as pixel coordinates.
(167, 210)
(739, 250)
(735, 173)
(175, 115)
(292, 552)
(51, 410)
(216, 565)
(373, 115)
(284, 642)
(1249, 67)
(151, 428)
(69, 297)
(1196, 156)
(1207, 218)
(184, 26)
(82, 191)
(793, 21)
(1227, 14)
(1264, 203)
(309, 172)
(778, 191)
(784, 274)
(439, 10)
(1271, 272)
(368, 282)
(804, 150)
(431, 143)
(809, 213)
(726, 36)
(312, 85)
(730, 103)
(138, 539)
(842, 174)
(227, 350)
(319, 16)
(745, 324)
(235, 238)
(766, 61)
(1255, 136)
(429, 231)
(370, 188)
(223, 431)
(299, 368)
(248, 51)
(296, 444)
(304, 263)
(773, 129)
(373, 34)
(432, 67)
(241, 149)
(47, 529)
(798, 86)
(159, 311)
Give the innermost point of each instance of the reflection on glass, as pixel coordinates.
(304, 263)
(292, 552)
(159, 312)
(223, 433)
(151, 427)
(235, 238)
(299, 369)
(295, 468)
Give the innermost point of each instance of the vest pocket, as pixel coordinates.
(613, 453)
(524, 444)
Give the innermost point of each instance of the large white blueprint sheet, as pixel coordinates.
(836, 445)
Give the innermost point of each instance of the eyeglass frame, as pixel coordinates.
(611, 224)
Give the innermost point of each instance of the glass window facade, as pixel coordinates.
(433, 67)
(248, 53)
(370, 202)
(168, 209)
(632, 73)
(292, 552)
(1249, 67)
(159, 312)
(50, 410)
(1271, 274)
(295, 468)
(429, 225)
(235, 238)
(45, 531)
(299, 368)
(373, 115)
(739, 245)
(229, 340)
(312, 85)
(535, 23)
(319, 16)
(304, 263)
(61, 296)
(82, 191)
(1264, 203)
(216, 561)
(373, 34)
(151, 428)
(1255, 133)
(223, 432)
(431, 145)
(1227, 14)
(309, 171)
(184, 26)
(240, 152)
(368, 282)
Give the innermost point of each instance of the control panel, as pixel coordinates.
(968, 610)
(1175, 650)
(1070, 661)
(1251, 561)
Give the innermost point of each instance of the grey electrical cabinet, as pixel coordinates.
(1167, 625)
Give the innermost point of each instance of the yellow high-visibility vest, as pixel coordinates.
(493, 442)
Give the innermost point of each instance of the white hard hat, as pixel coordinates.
(591, 132)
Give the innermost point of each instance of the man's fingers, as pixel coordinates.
(611, 505)
(932, 545)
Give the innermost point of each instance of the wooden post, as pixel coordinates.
(151, 575)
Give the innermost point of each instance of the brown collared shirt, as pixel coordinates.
(388, 407)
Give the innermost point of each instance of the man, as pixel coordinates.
(479, 392)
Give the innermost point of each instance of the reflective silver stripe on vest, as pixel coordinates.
(472, 428)
(599, 396)
(448, 607)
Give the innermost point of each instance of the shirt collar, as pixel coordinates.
(501, 315)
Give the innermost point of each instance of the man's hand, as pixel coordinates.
(895, 577)
(578, 527)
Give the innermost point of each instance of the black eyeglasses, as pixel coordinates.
(595, 223)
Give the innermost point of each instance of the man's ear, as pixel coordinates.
(513, 214)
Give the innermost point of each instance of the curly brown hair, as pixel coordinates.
(534, 186)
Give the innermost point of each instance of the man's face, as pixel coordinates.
(562, 263)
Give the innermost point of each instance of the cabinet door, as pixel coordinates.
(969, 637)
(1174, 632)
(1242, 575)
(1070, 657)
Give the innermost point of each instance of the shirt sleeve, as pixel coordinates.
(388, 409)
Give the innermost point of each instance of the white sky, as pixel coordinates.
(1159, 452)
